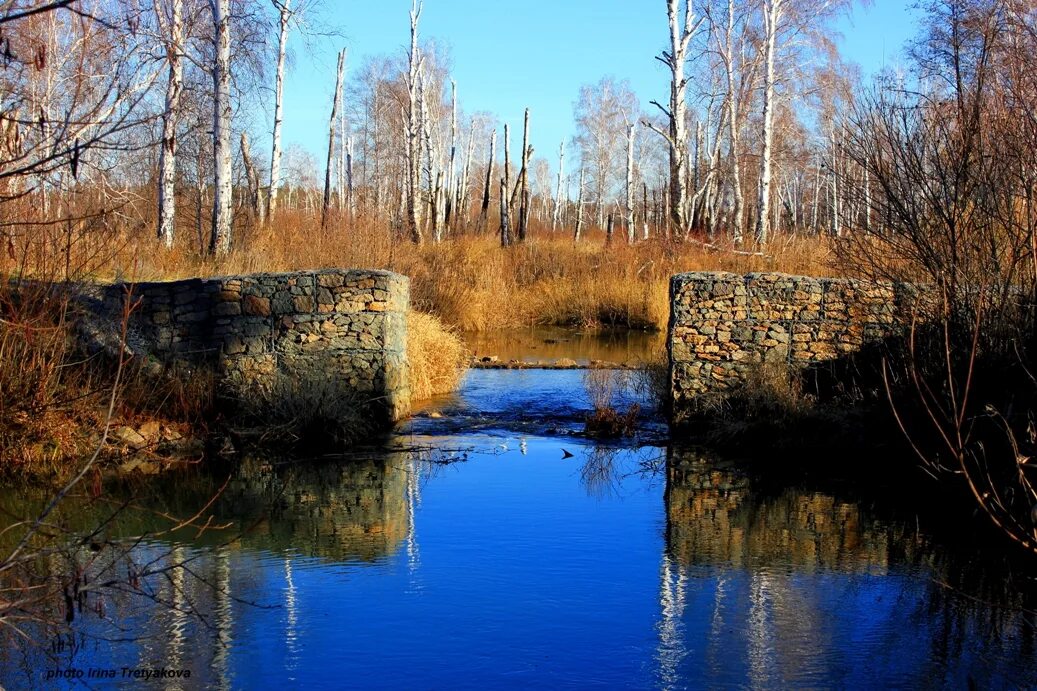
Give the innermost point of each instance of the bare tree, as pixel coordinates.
(681, 35)
(332, 124)
(602, 112)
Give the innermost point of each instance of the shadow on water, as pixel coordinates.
(505, 554)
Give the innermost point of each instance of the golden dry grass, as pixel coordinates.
(438, 357)
(469, 281)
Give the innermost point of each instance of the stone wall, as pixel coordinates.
(723, 325)
(348, 327)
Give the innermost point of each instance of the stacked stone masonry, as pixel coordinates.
(723, 325)
(346, 325)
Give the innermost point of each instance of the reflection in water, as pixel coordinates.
(808, 589)
(550, 344)
(340, 511)
(541, 569)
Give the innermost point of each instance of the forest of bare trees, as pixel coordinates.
(135, 109)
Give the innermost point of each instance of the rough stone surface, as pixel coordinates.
(722, 325)
(350, 325)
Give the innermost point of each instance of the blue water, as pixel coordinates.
(486, 559)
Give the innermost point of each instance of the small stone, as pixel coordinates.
(227, 309)
(129, 437)
(149, 430)
(256, 306)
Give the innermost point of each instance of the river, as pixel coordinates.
(488, 543)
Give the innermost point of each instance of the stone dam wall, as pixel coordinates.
(345, 327)
(723, 325)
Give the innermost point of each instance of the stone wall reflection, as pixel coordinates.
(715, 515)
(354, 510)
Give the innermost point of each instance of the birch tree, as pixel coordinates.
(170, 116)
(413, 130)
(601, 114)
(220, 239)
(558, 190)
(772, 16)
(284, 15)
(630, 185)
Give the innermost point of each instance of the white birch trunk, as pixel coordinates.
(680, 38)
(275, 152)
(219, 241)
(771, 16)
(738, 210)
(558, 189)
(630, 184)
(505, 224)
(450, 192)
(413, 133)
(579, 207)
(167, 154)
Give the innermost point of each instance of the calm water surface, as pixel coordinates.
(481, 554)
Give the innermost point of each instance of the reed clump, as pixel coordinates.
(611, 417)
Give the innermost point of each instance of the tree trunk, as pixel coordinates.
(332, 123)
(489, 176)
(219, 240)
(275, 152)
(505, 219)
(255, 192)
(523, 225)
(350, 194)
(579, 208)
(732, 104)
(461, 204)
(558, 189)
(680, 38)
(505, 227)
(167, 154)
(771, 15)
(644, 207)
(413, 131)
(630, 184)
(451, 170)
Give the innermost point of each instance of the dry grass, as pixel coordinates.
(438, 357)
(50, 404)
(469, 281)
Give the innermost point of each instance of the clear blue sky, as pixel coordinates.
(535, 53)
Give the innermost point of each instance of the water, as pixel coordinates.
(480, 554)
(549, 344)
